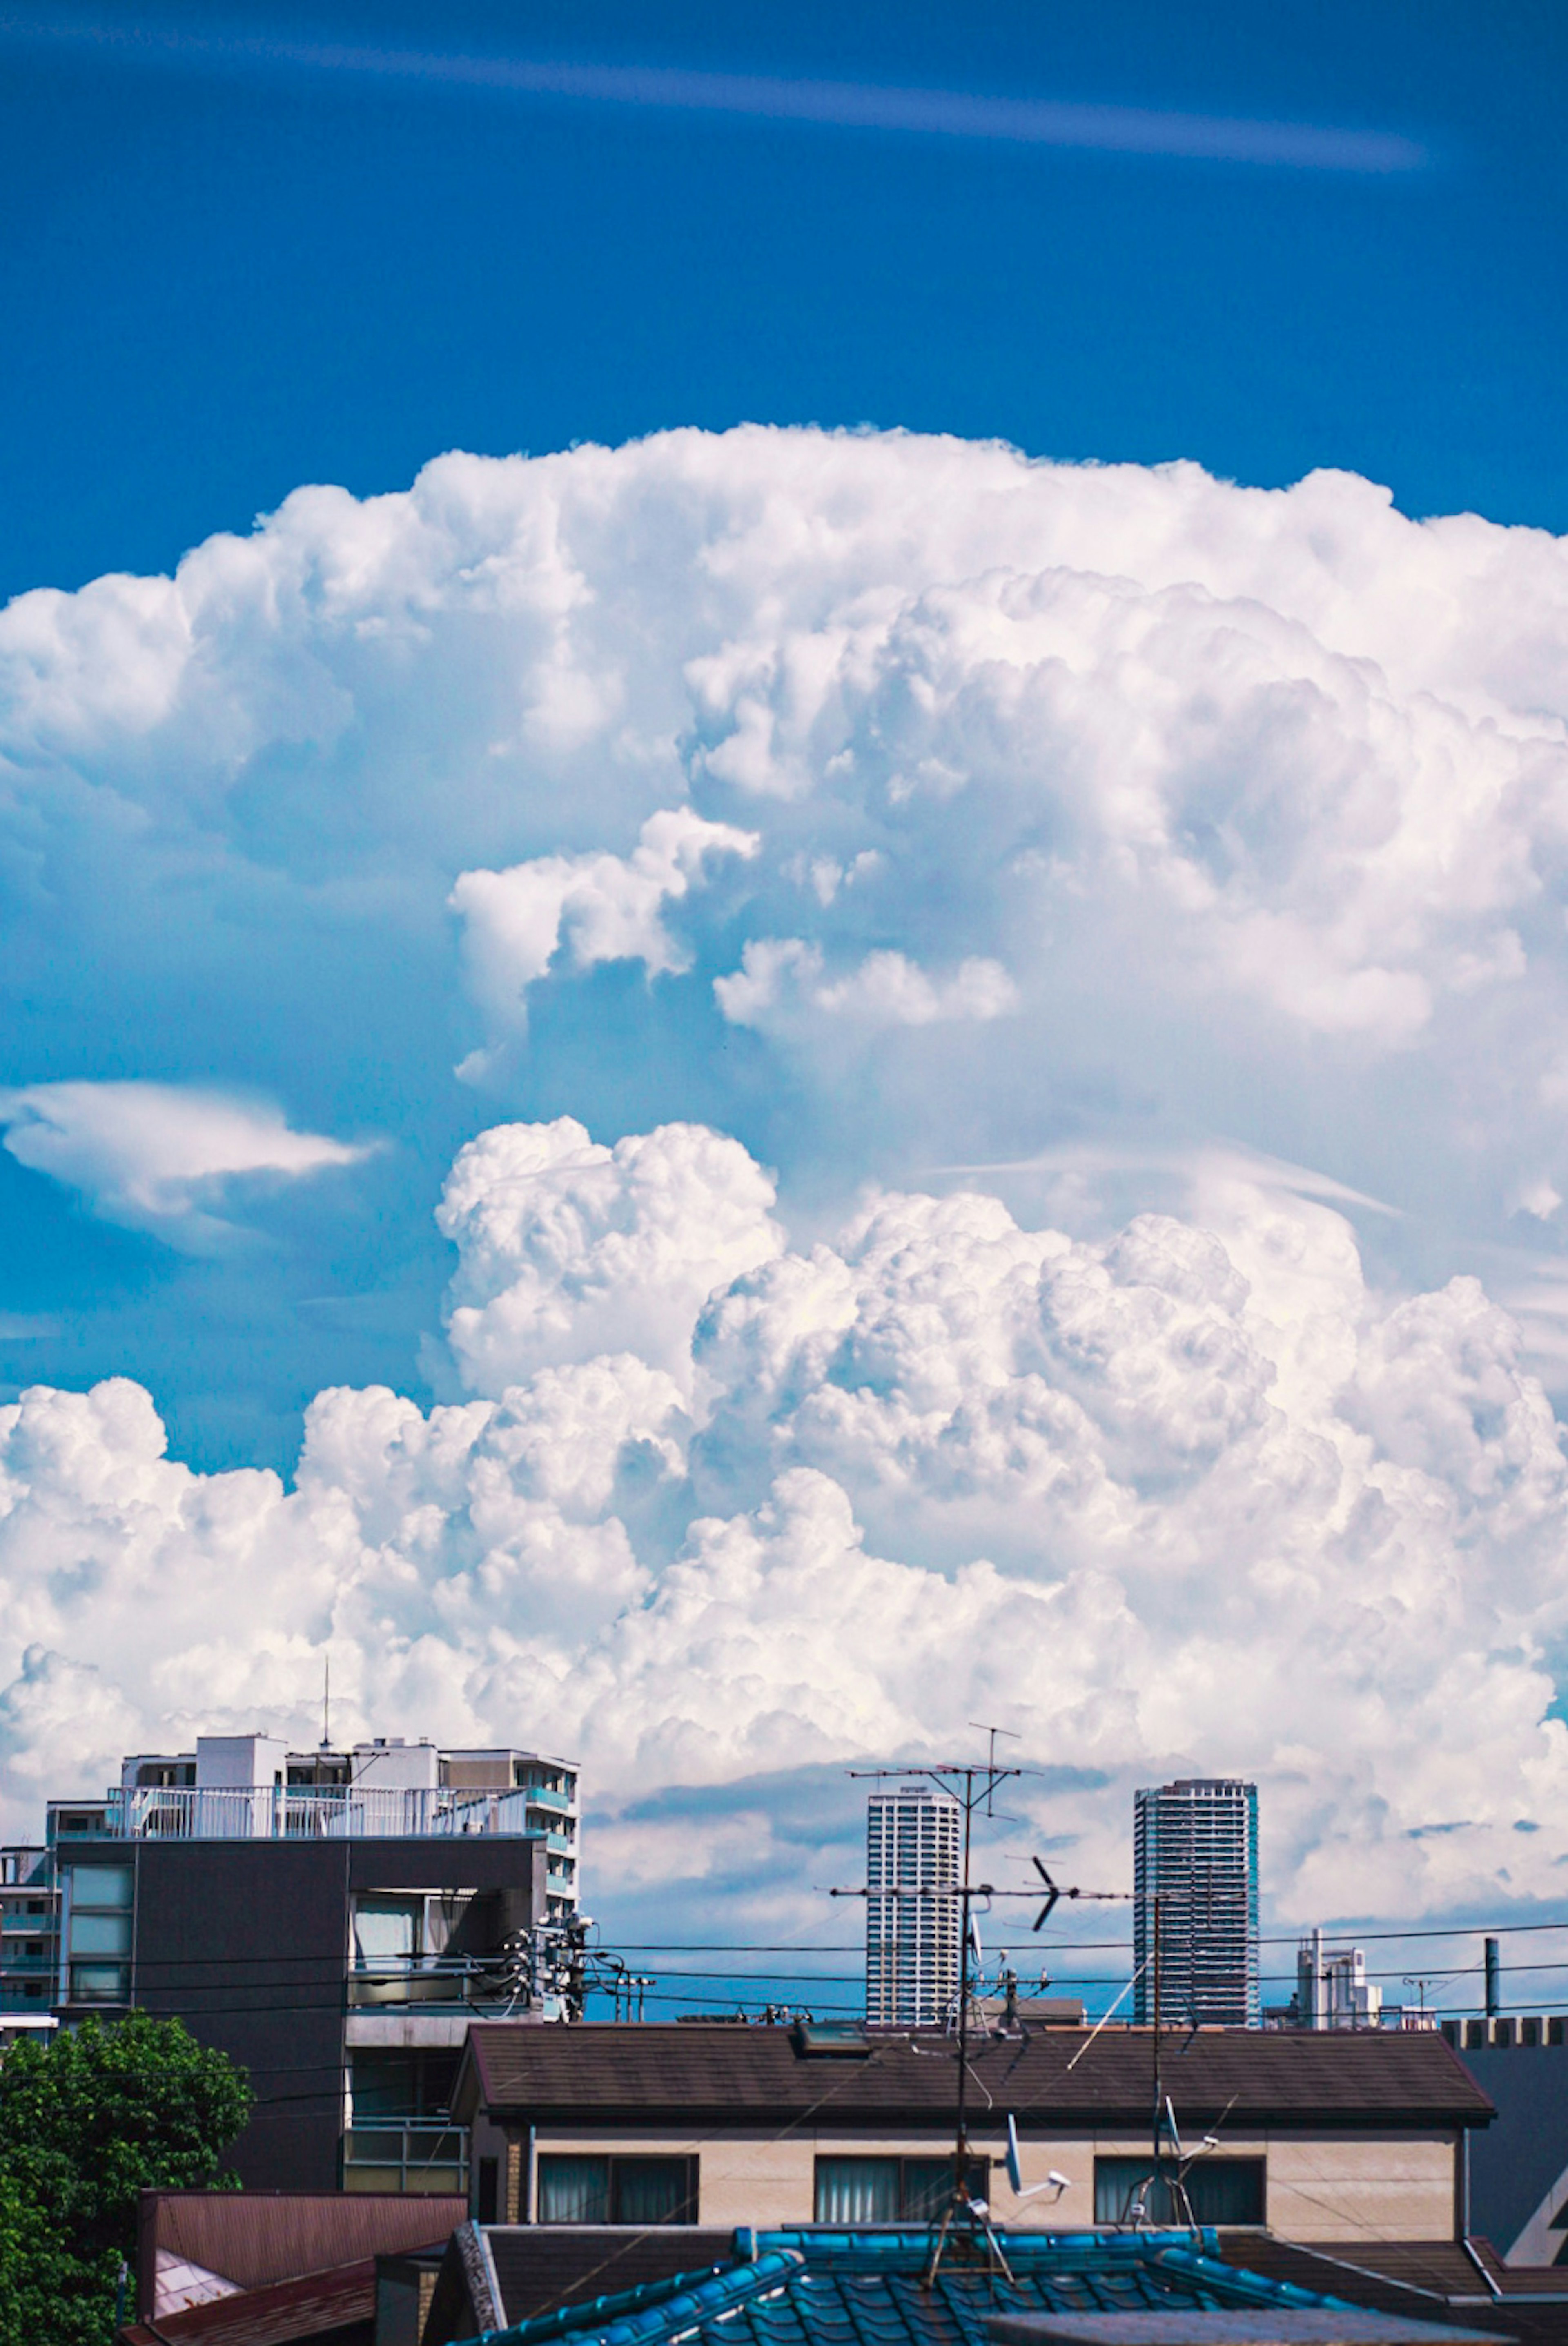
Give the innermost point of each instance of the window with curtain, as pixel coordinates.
(1219, 2191)
(386, 1932)
(651, 2191)
(576, 2189)
(853, 2191)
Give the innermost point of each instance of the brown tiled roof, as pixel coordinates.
(253, 2238)
(687, 2075)
(1432, 2280)
(339, 2306)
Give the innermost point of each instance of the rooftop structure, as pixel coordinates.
(1332, 1989)
(1194, 1859)
(253, 1788)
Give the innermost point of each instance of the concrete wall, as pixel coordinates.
(1328, 2188)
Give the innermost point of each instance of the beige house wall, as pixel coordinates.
(1320, 2186)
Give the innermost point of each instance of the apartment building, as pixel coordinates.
(1194, 1881)
(915, 1847)
(332, 1920)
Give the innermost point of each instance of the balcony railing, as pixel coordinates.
(406, 2155)
(289, 1812)
(437, 1984)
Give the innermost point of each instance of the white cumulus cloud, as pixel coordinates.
(1192, 1496)
(609, 908)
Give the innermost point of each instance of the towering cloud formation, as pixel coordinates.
(722, 1508)
(851, 806)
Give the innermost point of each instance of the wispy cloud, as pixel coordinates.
(153, 1154)
(847, 105)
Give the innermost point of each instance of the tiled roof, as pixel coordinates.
(688, 2074)
(255, 2237)
(323, 2305)
(1434, 2280)
(820, 2288)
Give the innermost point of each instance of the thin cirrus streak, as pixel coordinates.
(954, 114)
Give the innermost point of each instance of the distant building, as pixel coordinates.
(1332, 1989)
(1194, 1849)
(914, 1848)
(332, 1920)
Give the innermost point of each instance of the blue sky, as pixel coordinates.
(221, 281)
(744, 1007)
(224, 277)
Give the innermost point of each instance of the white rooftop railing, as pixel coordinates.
(298, 1812)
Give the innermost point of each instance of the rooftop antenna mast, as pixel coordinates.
(966, 2219)
(326, 1702)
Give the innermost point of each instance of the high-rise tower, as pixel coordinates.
(1195, 1847)
(914, 1850)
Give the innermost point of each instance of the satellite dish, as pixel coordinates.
(1056, 2182)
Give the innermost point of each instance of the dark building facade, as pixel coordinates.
(332, 1923)
(259, 1946)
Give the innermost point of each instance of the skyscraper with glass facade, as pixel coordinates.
(1195, 1848)
(914, 1848)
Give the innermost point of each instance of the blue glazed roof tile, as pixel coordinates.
(810, 2288)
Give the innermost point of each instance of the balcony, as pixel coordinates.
(406, 2155)
(437, 1984)
(290, 1813)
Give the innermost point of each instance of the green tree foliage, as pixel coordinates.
(86, 2122)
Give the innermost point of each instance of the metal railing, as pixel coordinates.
(406, 2155)
(453, 1983)
(289, 1812)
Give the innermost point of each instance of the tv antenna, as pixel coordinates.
(965, 2228)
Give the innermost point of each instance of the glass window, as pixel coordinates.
(99, 1984)
(574, 2191)
(386, 1931)
(650, 2191)
(399, 2082)
(101, 1885)
(855, 2191)
(1218, 2191)
(100, 1934)
(578, 2190)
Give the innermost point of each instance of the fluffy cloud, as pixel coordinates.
(148, 1153)
(609, 906)
(851, 806)
(1191, 1495)
(886, 990)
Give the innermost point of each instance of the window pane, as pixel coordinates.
(1119, 2182)
(857, 2191)
(1227, 2190)
(385, 1930)
(101, 1885)
(927, 2186)
(99, 1984)
(574, 2191)
(1219, 2191)
(100, 1934)
(650, 2191)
